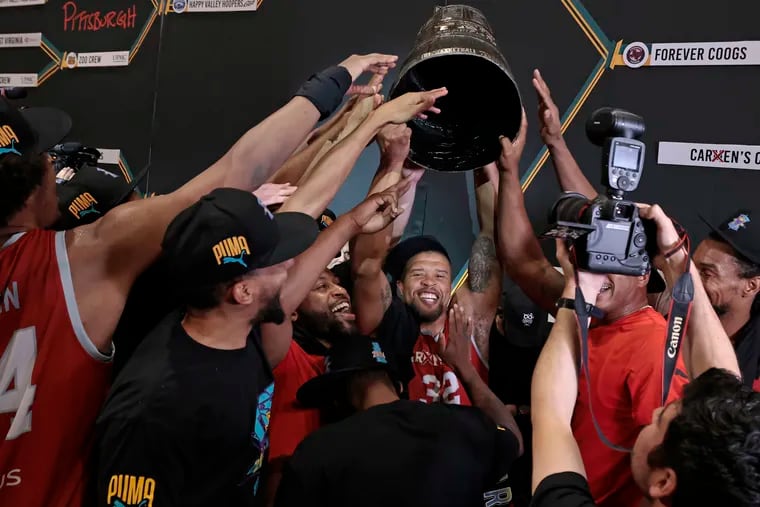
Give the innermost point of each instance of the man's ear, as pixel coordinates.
(293, 316)
(662, 483)
(644, 279)
(400, 289)
(242, 293)
(752, 286)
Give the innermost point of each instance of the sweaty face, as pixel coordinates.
(649, 438)
(617, 290)
(426, 285)
(327, 310)
(720, 274)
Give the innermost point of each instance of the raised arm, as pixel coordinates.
(108, 255)
(372, 292)
(482, 291)
(517, 245)
(554, 388)
(569, 174)
(319, 189)
(706, 345)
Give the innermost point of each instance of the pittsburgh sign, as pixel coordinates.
(728, 156)
(673, 54)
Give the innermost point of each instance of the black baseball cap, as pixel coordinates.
(30, 130)
(349, 356)
(741, 233)
(400, 255)
(88, 195)
(326, 219)
(526, 324)
(227, 234)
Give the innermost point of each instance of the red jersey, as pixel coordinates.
(434, 380)
(625, 365)
(290, 423)
(53, 380)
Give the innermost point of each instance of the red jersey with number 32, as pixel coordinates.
(52, 378)
(435, 381)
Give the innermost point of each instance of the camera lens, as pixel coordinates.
(568, 208)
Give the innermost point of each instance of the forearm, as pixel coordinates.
(518, 248)
(320, 188)
(554, 390)
(253, 159)
(569, 173)
(485, 200)
(483, 398)
(308, 266)
(295, 170)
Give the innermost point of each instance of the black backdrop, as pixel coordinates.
(199, 80)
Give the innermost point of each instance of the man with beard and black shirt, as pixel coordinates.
(186, 420)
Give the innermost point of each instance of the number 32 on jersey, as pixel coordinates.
(16, 389)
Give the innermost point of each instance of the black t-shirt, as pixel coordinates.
(509, 375)
(403, 453)
(566, 489)
(398, 332)
(184, 424)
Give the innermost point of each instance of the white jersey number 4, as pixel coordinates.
(16, 389)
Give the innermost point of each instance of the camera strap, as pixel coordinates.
(680, 309)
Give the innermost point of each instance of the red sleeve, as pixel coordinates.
(756, 385)
(480, 366)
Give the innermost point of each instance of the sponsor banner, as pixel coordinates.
(728, 156)
(18, 80)
(640, 54)
(73, 60)
(110, 156)
(21, 3)
(180, 6)
(20, 40)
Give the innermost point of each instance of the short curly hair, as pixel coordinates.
(19, 177)
(713, 444)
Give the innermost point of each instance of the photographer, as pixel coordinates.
(728, 260)
(700, 450)
(625, 345)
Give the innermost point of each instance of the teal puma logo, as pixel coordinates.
(12, 149)
(119, 503)
(89, 210)
(235, 260)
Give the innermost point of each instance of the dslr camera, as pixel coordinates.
(607, 232)
(74, 155)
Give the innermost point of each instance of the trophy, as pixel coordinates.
(456, 48)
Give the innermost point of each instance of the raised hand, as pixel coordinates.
(411, 105)
(511, 150)
(548, 114)
(394, 142)
(373, 87)
(455, 349)
(667, 240)
(380, 209)
(274, 193)
(377, 63)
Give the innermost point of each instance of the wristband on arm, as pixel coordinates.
(326, 89)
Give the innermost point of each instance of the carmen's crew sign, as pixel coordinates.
(725, 156)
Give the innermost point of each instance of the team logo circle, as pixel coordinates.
(635, 54)
(179, 6)
(71, 60)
